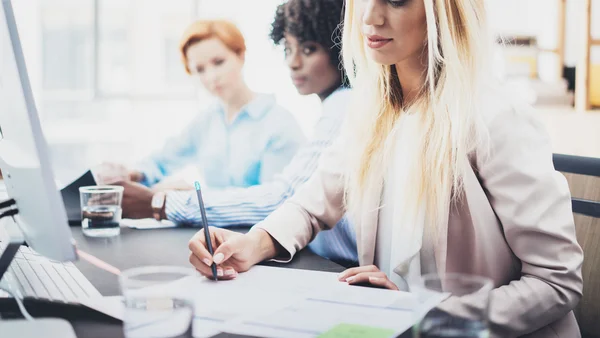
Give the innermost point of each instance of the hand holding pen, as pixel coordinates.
(206, 229)
(234, 252)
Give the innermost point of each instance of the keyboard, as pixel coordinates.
(32, 275)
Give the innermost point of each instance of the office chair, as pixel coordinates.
(583, 176)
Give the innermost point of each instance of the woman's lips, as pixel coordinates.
(376, 41)
(299, 80)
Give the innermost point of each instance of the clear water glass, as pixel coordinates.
(155, 306)
(101, 210)
(463, 314)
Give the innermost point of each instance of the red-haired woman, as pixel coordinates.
(242, 140)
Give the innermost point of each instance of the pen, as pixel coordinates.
(206, 232)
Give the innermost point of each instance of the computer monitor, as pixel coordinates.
(24, 158)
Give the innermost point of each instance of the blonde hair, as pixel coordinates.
(200, 30)
(447, 109)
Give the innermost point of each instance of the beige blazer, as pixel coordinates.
(514, 225)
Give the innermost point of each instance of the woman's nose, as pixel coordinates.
(294, 62)
(210, 77)
(373, 13)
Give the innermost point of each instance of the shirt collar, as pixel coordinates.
(332, 96)
(260, 105)
(256, 108)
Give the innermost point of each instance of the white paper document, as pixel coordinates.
(279, 302)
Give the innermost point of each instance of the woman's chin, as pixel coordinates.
(222, 95)
(381, 58)
(304, 91)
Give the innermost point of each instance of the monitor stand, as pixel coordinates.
(10, 240)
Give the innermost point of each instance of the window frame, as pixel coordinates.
(95, 91)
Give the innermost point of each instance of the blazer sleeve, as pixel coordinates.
(533, 204)
(317, 205)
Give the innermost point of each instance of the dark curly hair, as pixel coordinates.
(312, 20)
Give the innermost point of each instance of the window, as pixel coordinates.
(174, 72)
(114, 51)
(108, 77)
(67, 45)
(114, 48)
(138, 47)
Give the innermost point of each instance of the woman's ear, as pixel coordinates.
(242, 56)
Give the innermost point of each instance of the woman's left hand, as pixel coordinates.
(367, 274)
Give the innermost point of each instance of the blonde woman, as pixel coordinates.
(439, 170)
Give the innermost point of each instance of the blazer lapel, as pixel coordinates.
(366, 233)
(441, 236)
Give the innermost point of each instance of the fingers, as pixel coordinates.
(228, 248)
(135, 176)
(104, 199)
(222, 246)
(383, 282)
(217, 235)
(363, 277)
(223, 272)
(367, 275)
(354, 271)
(109, 173)
(197, 246)
(200, 266)
(228, 272)
(374, 278)
(226, 243)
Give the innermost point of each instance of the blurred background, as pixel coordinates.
(110, 86)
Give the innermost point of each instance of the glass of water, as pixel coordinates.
(156, 302)
(464, 313)
(101, 210)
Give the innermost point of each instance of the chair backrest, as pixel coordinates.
(583, 175)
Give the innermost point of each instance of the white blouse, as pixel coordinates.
(400, 233)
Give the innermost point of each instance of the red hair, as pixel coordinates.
(223, 30)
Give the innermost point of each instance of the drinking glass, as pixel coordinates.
(464, 313)
(155, 306)
(101, 210)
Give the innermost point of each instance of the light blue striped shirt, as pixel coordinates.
(233, 207)
(248, 151)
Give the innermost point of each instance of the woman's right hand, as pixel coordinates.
(233, 252)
